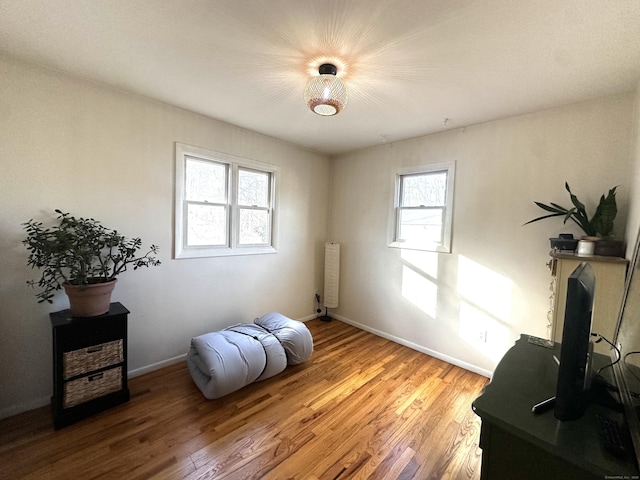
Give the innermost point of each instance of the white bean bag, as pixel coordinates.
(225, 361)
(276, 359)
(294, 336)
(222, 362)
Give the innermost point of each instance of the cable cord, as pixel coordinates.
(630, 370)
(618, 356)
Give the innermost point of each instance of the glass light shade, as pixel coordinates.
(325, 94)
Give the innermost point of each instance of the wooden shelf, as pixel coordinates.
(588, 258)
(610, 273)
(89, 363)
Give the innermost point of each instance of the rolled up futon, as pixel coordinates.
(224, 361)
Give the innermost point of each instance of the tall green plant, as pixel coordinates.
(601, 223)
(80, 251)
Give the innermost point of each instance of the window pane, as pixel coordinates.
(421, 226)
(253, 188)
(426, 189)
(206, 225)
(254, 227)
(205, 181)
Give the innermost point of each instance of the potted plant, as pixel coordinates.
(597, 227)
(83, 257)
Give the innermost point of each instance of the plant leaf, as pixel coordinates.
(606, 212)
(601, 222)
(543, 217)
(553, 208)
(578, 204)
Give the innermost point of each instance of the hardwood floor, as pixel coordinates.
(361, 407)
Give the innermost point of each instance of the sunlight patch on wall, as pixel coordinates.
(485, 306)
(482, 331)
(485, 288)
(419, 276)
(426, 262)
(420, 291)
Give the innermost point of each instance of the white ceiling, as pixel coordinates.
(408, 64)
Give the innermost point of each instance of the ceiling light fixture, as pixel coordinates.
(325, 93)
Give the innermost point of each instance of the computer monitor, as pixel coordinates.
(576, 351)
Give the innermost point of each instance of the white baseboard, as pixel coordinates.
(41, 402)
(12, 410)
(156, 366)
(180, 358)
(419, 348)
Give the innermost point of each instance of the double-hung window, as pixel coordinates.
(254, 207)
(224, 205)
(423, 207)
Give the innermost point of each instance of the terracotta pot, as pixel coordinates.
(89, 300)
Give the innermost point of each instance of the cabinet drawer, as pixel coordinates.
(95, 357)
(92, 386)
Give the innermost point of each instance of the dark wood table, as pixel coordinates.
(518, 444)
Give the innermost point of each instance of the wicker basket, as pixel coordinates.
(85, 360)
(92, 386)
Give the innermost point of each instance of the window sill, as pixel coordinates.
(424, 248)
(204, 252)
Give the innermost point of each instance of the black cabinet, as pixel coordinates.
(517, 443)
(89, 363)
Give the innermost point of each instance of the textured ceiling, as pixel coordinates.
(408, 65)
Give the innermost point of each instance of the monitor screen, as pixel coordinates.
(627, 370)
(574, 371)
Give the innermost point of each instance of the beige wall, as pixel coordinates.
(98, 152)
(633, 223)
(94, 151)
(495, 281)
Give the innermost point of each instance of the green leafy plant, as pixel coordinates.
(80, 251)
(601, 223)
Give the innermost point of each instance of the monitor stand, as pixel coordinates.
(600, 393)
(544, 405)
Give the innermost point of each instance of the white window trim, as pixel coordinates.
(393, 242)
(181, 250)
(237, 207)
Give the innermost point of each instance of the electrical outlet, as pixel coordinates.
(482, 336)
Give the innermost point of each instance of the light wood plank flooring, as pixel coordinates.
(361, 408)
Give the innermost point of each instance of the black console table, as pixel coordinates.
(518, 444)
(89, 363)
